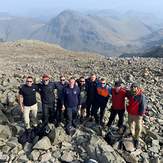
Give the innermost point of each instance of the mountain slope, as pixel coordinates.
(106, 35)
(15, 28)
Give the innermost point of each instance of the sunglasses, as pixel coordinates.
(103, 83)
(29, 81)
(46, 80)
(62, 80)
(82, 81)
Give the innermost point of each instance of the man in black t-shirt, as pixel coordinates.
(28, 103)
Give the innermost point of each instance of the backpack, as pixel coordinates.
(27, 136)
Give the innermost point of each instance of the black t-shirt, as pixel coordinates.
(29, 94)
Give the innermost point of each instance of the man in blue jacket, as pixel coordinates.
(46, 90)
(60, 85)
(71, 100)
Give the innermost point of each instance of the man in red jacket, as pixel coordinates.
(118, 104)
(136, 108)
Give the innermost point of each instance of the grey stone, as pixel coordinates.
(11, 99)
(154, 149)
(23, 158)
(60, 136)
(129, 157)
(45, 157)
(12, 142)
(28, 147)
(128, 144)
(6, 149)
(16, 149)
(43, 144)
(3, 118)
(67, 157)
(34, 155)
(5, 132)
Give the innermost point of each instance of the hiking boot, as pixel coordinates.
(136, 143)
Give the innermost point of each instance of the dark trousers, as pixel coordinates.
(60, 114)
(90, 105)
(113, 115)
(99, 117)
(48, 113)
(72, 116)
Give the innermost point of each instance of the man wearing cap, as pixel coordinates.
(46, 90)
(28, 103)
(118, 105)
(136, 109)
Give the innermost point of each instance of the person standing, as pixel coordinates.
(60, 87)
(118, 105)
(136, 109)
(71, 100)
(46, 90)
(101, 98)
(28, 102)
(91, 94)
(83, 98)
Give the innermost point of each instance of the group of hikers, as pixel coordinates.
(80, 100)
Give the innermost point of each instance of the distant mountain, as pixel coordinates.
(155, 52)
(107, 32)
(97, 32)
(14, 28)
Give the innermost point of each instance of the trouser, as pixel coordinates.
(135, 125)
(33, 110)
(83, 110)
(90, 107)
(60, 114)
(99, 117)
(113, 114)
(48, 113)
(72, 116)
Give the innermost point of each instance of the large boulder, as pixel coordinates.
(5, 132)
(43, 144)
(58, 136)
(96, 147)
(99, 150)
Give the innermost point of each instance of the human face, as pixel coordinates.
(134, 90)
(82, 81)
(62, 80)
(46, 81)
(71, 83)
(29, 82)
(103, 83)
(93, 77)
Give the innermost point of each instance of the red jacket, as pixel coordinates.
(118, 99)
(137, 103)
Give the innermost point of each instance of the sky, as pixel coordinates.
(43, 6)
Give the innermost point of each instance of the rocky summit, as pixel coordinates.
(88, 143)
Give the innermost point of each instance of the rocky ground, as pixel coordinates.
(19, 59)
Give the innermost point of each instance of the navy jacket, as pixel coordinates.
(60, 87)
(71, 96)
(47, 92)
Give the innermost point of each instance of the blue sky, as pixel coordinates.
(22, 6)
